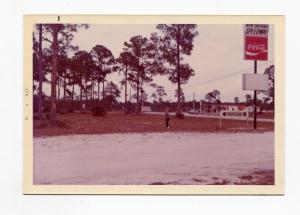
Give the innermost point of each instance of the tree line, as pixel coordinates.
(142, 58)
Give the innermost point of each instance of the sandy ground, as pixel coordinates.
(155, 158)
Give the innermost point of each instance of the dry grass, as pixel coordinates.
(75, 123)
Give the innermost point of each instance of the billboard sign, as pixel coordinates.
(256, 41)
(255, 82)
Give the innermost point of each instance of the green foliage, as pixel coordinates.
(140, 73)
(112, 89)
(176, 40)
(248, 98)
(108, 102)
(271, 76)
(103, 60)
(236, 100)
(213, 96)
(182, 98)
(173, 42)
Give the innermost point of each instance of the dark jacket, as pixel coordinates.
(167, 115)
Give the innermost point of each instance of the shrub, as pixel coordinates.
(70, 110)
(98, 111)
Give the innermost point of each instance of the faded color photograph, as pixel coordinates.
(153, 104)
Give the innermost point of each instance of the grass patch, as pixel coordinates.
(80, 123)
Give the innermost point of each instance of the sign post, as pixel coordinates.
(254, 96)
(193, 101)
(256, 48)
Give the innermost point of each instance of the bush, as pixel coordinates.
(98, 111)
(70, 110)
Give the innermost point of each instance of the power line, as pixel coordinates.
(226, 76)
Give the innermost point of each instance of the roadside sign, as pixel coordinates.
(235, 115)
(256, 48)
(255, 82)
(256, 42)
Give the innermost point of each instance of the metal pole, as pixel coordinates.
(193, 101)
(247, 119)
(255, 99)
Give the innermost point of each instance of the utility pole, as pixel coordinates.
(193, 101)
(255, 99)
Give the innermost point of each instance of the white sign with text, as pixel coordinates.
(235, 115)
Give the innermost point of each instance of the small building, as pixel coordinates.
(209, 107)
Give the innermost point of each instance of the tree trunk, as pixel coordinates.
(80, 96)
(125, 104)
(138, 92)
(86, 91)
(64, 89)
(80, 103)
(103, 92)
(55, 30)
(178, 79)
(73, 92)
(40, 73)
(98, 90)
(58, 88)
(92, 89)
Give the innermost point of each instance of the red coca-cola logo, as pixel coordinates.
(256, 47)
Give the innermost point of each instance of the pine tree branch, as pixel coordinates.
(46, 39)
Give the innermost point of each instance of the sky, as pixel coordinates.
(217, 57)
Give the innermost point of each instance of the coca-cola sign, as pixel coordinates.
(256, 41)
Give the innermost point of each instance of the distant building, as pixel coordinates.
(209, 107)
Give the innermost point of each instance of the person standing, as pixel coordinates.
(167, 117)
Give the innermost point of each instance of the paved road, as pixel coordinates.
(213, 116)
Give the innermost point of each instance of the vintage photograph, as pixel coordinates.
(153, 104)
